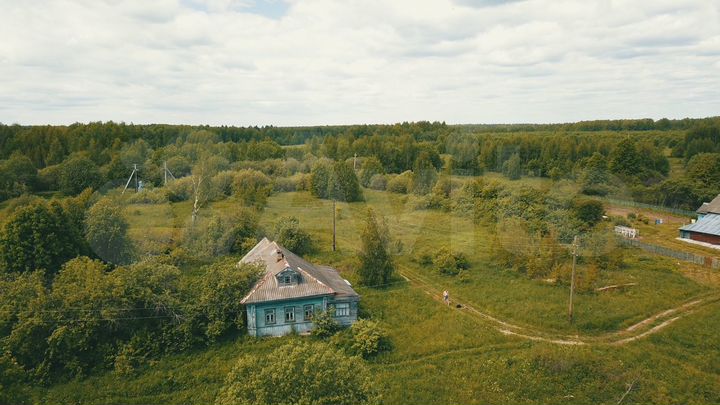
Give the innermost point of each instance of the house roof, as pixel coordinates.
(713, 207)
(314, 280)
(709, 224)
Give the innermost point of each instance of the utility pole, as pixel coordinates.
(130, 179)
(165, 172)
(355, 162)
(334, 223)
(137, 185)
(572, 278)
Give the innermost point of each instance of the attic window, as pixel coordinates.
(287, 277)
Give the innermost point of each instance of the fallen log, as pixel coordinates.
(614, 287)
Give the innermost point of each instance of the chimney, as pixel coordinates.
(279, 255)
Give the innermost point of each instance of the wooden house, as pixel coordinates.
(713, 207)
(707, 228)
(292, 291)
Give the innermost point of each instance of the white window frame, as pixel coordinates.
(273, 319)
(342, 309)
(311, 307)
(289, 314)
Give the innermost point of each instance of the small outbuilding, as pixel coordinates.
(292, 291)
(707, 228)
(713, 207)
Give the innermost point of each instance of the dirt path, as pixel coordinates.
(639, 330)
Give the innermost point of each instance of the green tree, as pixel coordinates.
(39, 236)
(219, 235)
(425, 175)
(106, 232)
(216, 309)
(144, 296)
(252, 187)
(594, 176)
(56, 152)
(625, 159)
(370, 167)
(17, 176)
(299, 373)
(77, 174)
(343, 183)
(705, 168)
(289, 234)
(320, 179)
(376, 266)
(13, 384)
(590, 212)
(512, 168)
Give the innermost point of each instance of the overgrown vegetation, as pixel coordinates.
(98, 285)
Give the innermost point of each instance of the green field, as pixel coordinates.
(446, 355)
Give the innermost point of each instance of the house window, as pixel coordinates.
(289, 314)
(342, 309)
(287, 279)
(309, 311)
(269, 316)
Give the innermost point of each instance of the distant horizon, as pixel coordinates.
(357, 124)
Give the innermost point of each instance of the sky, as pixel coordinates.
(328, 62)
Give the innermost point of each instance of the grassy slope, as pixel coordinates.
(442, 355)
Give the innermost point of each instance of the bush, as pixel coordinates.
(368, 339)
(378, 182)
(285, 184)
(325, 324)
(299, 373)
(220, 235)
(149, 196)
(618, 220)
(447, 262)
(252, 187)
(401, 183)
(371, 167)
(444, 261)
(288, 234)
(179, 190)
(222, 184)
(425, 256)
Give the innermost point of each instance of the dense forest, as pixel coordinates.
(626, 158)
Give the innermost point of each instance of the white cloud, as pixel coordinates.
(256, 62)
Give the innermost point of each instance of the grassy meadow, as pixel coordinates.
(442, 355)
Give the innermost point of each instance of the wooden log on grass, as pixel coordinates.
(614, 287)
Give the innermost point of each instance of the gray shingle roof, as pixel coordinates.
(314, 280)
(709, 224)
(713, 207)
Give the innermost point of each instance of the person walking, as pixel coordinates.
(446, 297)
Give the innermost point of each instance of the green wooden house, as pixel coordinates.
(292, 291)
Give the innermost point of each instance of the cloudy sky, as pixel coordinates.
(308, 62)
